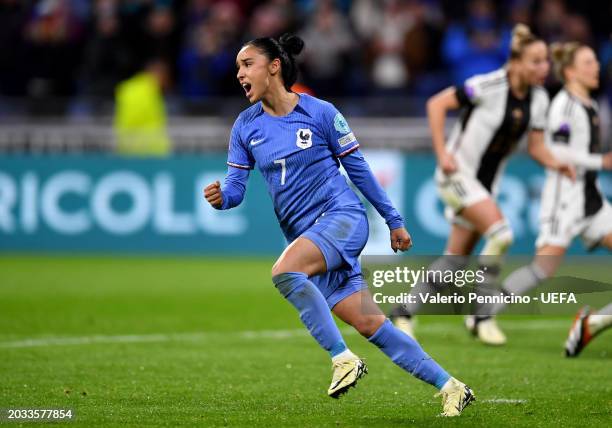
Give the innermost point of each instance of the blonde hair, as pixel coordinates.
(521, 38)
(563, 55)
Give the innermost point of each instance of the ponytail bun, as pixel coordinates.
(291, 44)
(521, 38)
(284, 49)
(521, 32)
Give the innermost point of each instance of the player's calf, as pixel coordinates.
(313, 310)
(498, 238)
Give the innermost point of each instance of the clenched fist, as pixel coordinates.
(213, 195)
(400, 239)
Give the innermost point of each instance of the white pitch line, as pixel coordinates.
(514, 324)
(496, 401)
(150, 338)
(504, 401)
(248, 334)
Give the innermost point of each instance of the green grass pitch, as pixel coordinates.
(136, 341)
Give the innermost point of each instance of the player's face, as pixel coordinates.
(585, 69)
(254, 72)
(534, 63)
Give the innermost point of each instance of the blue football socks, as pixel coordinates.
(408, 354)
(313, 309)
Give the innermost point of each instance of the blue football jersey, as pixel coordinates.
(297, 155)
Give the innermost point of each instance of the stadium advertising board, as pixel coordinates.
(100, 203)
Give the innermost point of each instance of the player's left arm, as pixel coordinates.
(361, 175)
(344, 146)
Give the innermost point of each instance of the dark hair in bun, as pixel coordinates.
(292, 44)
(285, 49)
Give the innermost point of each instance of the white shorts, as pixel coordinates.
(459, 191)
(562, 222)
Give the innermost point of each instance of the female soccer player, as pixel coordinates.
(571, 208)
(298, 143)
(498, 108)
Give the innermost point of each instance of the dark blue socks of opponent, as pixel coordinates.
(316, 316)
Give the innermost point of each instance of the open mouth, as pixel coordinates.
(247, 89)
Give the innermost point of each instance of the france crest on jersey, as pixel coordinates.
(297, 155)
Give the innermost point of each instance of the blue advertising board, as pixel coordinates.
(99, 203)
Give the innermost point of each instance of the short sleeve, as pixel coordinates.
(238, 155)
(470, 93)
(340, 138)
(539, 111)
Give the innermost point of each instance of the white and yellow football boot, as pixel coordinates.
(486, 330)
(402, 319)
(347, 371)
(456, 396)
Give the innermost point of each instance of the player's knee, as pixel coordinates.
(284, 265)
(367, 325)
(288, 282)
(499, 238)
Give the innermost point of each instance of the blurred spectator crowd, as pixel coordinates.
(72, 48)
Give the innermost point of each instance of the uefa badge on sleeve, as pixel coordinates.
(340, 124)
(304, 138)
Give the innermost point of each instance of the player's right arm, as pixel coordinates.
(468, 95)
(232, 193)
(213, 194)
(240, 162)
(437, 108)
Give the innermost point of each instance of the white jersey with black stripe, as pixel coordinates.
(573, 135)
(491, 124)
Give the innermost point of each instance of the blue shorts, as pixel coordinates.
(340, 235)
